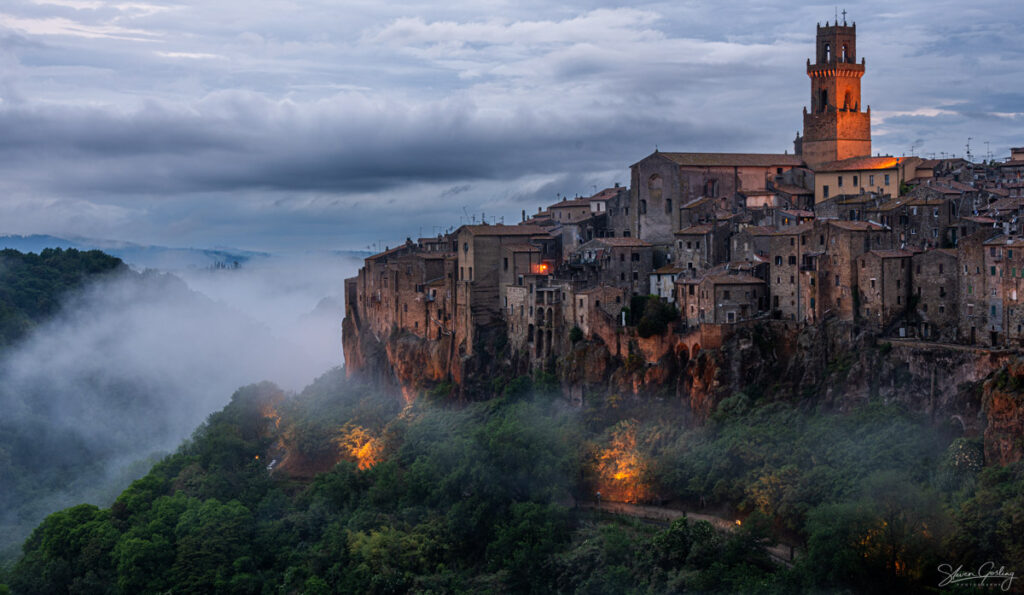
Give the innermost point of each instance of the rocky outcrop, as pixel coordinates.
(832, 365)
(1003, 402)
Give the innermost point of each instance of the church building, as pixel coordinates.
(831, 158)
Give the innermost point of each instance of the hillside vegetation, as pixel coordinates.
(33, 285)
(344, 488)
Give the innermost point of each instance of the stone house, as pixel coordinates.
(936, 288)
(480, 266)
(701, 247)
(617, 262)
(883, 286)
(662, 182)
(843, 242)
(973, 301)
(663, 282)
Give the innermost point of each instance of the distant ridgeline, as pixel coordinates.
(32, 285)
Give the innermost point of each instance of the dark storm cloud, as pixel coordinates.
(257, 124)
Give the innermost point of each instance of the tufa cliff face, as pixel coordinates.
(965, 390)
(1003, 402)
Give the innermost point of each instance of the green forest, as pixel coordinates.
(375, 495)
(32, 286)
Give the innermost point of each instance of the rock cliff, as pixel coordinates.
(966, 391)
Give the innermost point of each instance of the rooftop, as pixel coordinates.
(504, 230)
(858, 225)
(859, 163)
(734, 159)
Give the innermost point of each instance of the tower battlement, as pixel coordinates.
(836, 127)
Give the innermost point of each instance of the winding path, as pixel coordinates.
(780, 553)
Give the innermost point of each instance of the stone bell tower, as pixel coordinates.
(835, 128)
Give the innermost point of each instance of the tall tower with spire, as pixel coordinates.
(835, 127)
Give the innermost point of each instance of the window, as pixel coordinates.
(837, 281)
(940, 269)
(855, 181)
(643, 206)
(871, 180)
(942, 309)
(792, 260)
(839, 182)
(886, 179)
(824, 191)
(506, 264)
(688, 245)
(622, 276)
(622, 257)
(778, 260)
(668, 205)
(791, 280)
(725, 294)
(872, 284)
(635, 256)
(993, 271)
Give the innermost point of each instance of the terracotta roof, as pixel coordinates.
(734, 159)
(504, 230)
(576, 202)
(1006, 204)
(856, 199)
(741, 279)
(389, 252)
(794, 229)
(697, 202)
(859, 163)
(858, 225)
(792, 189)
(983, 220)
(669, 269)
(893, 204)
(694, 230)
(607, 193)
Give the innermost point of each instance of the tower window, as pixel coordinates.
(828, 53)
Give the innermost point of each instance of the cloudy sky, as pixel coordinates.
(295, 125)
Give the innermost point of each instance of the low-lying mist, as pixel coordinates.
(133, 363)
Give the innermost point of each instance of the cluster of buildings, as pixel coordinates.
(907, 247)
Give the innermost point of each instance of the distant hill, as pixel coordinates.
(33, 285)
(142, 256)
(137, 255)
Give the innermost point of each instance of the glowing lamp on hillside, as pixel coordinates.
(541, 268)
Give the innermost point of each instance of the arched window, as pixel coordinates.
(846, 56)
(823, 100)
(828, 53)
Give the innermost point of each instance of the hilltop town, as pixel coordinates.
(901, 247)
